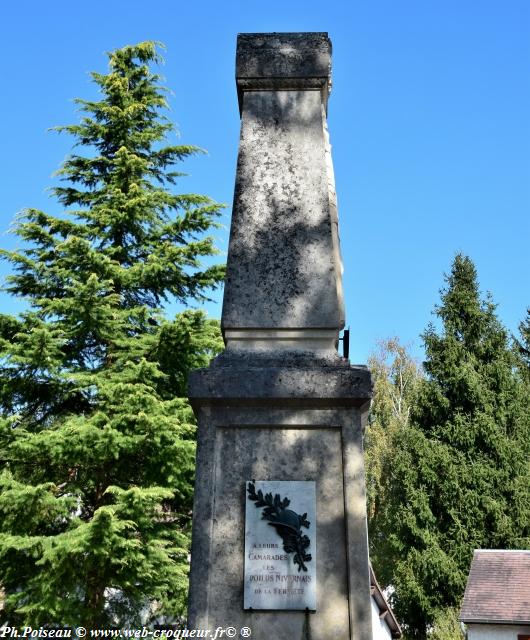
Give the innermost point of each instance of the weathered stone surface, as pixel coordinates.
(345, 386)
(283, 55)
(273, 443)
(280, 404)
(283, 61)
(283, 283)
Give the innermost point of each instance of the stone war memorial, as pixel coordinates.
(279, 523)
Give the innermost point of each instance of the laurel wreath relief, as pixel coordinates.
(288, 524)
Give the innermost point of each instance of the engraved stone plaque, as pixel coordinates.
(280, 545)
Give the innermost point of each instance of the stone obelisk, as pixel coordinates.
(279, 411)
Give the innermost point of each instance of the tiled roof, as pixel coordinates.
(498, 588)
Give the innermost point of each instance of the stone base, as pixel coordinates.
(271, 419)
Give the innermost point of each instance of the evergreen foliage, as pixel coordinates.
(96, 440)
(524, 345)
(460, 476)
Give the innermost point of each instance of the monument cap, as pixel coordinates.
(283, 61)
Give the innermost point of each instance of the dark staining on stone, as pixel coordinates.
(281, 270)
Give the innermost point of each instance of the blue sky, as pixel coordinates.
(429, 121)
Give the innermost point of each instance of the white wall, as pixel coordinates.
(496, 631)
(380, 629)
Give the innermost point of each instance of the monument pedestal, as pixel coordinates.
(281, 423)
(280, 408)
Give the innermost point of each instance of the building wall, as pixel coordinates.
(496, 631)
(380, 629)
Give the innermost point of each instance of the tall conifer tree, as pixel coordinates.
(96, 441)
(460, 475)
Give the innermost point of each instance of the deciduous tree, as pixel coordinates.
(396, 376)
